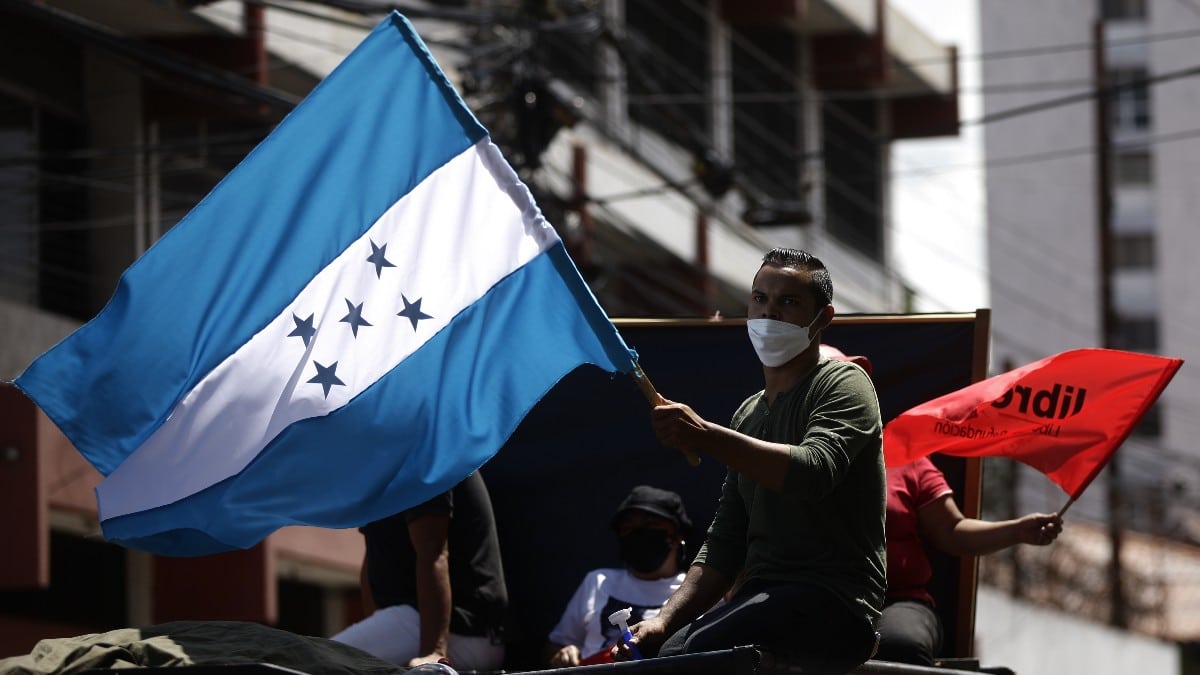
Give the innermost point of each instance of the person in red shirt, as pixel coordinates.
(921, 512)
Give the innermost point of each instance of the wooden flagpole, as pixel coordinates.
(655, 398)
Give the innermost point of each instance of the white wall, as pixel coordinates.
(1175, 114)
(1036, 641)
(1042, 224)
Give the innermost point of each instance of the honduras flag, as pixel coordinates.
(355, 319)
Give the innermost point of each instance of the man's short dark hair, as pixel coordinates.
(821, 284)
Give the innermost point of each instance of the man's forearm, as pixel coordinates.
(435, 600)
(761, 461)
(701, 589)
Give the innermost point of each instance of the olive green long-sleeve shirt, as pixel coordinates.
(826, 527)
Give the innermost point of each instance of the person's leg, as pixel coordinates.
(678, 642)
(795, 620)
(392, 633)
(909, 632)
(470, 652)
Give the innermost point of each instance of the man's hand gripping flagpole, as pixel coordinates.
(656, 399)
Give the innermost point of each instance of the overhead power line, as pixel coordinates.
(1091, 94)
(1050, 155)
(1074, 47)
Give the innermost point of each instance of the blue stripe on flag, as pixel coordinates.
(403, 441)
(374, 129)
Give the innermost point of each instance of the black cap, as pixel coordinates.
(663, 503)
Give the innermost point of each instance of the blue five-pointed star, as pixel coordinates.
(354, 317)
(327, 377)
(378, 258)
(304, 328)
(412, 311)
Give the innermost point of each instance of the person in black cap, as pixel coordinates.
(652, 526)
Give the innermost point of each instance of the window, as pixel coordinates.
(854, 186)
(1123, 9)
(667, 69)
(767, 135)
(1132, 168)
(1130, 99)
(302, 607)
(573, 56)
(1139, 335)
(87, 586)
(193, 156)
(1133, 251)
(43, 235)
(1150, 426)
(18, 190)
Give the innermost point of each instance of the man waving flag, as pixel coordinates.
(1063, 415)
(355, 319)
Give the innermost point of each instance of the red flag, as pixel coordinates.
(1064, 415)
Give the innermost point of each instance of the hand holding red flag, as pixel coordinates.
(1064, 415)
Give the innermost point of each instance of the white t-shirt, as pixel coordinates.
(585, 624)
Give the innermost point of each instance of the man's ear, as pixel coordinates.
(826, 315)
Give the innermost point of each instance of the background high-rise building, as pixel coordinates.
(1092, 142)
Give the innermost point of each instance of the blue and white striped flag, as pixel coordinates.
(355, 319)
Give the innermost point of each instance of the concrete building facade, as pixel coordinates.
(1091, 149)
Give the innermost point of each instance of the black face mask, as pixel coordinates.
(645, 549)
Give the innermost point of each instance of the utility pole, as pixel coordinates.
(1118, 616)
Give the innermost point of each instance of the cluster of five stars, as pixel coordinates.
(305, 329)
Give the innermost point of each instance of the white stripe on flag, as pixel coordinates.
(463, 246)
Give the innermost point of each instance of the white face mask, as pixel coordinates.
(777, 342)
